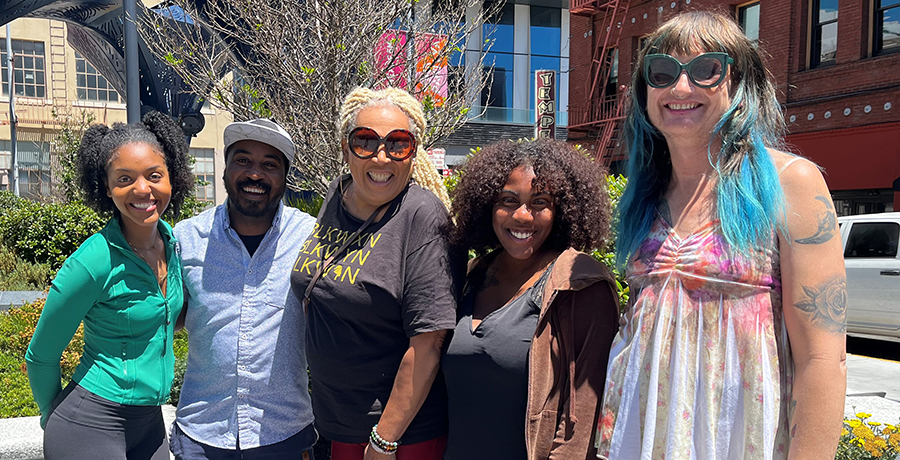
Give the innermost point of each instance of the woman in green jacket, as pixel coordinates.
(124, 283)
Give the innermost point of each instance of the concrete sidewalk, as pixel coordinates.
(873, 387)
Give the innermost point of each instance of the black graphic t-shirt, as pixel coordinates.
(392, 283)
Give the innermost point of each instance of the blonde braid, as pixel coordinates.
(426, 175)
(423, 170)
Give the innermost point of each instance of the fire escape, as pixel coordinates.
(601, 117)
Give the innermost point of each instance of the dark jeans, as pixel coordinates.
(86, 426)
(298, 446)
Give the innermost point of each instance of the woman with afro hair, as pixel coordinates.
(526, 363)
(124, 283)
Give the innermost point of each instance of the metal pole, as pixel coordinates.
(132, 71)
(12, 112)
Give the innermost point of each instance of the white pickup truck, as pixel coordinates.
(873, 274)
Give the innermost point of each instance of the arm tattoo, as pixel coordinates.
(827, 224)
(826, 304)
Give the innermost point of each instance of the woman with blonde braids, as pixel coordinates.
(376, 281)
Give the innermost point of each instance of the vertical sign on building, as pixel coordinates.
(545, 104)
(437, 156)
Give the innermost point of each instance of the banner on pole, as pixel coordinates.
(431, 63)
(545, 104)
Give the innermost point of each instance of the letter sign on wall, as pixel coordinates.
(545, 104)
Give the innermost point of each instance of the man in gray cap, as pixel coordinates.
(245, 392)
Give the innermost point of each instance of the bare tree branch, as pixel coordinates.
(294, 61)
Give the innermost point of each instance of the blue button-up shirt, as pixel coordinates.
(246, 374)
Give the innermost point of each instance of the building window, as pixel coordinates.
(499, 30)
(748, 18)
(612, 85)
(34, 166)
(90, 85)
(205, 170)
(823, 36)
(545, 47)
(887, 26)
(28, 67)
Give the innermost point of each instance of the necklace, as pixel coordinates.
(158, 272)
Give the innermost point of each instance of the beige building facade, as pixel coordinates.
(51, 78)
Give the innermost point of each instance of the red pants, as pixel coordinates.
(425, 450)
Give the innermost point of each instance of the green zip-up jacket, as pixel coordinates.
(128, 323)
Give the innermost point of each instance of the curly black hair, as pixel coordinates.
(100, 144)
(577, 184)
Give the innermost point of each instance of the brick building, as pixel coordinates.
(835, 62)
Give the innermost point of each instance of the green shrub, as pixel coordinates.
(180, 346)
(15, 393)
(19, 275)
(48, 233)
(615, 186)
(16, 328)
(310, 207)
(8, 201)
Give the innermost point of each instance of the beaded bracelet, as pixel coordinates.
(378, 449)
(380, 445)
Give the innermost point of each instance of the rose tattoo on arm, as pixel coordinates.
(826, 304)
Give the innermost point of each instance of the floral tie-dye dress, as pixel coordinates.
(701, 367)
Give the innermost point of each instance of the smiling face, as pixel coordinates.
(523, 215)
(686, 111)
(137, 180)
(379, 179)
(254, 178)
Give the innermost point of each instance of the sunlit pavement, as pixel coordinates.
(873, 379)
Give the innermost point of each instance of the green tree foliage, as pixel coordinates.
(66, 147)
(615, 185)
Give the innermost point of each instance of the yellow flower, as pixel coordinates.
(894, 440)
(854, 423)
(844, 432)
(863, 432)
(880, 443)
(863, 415)
(874, 423)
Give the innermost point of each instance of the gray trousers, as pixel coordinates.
(84, 426)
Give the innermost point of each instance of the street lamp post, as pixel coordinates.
(132, 71)
(12, 112)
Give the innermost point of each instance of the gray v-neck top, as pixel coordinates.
(486, 371)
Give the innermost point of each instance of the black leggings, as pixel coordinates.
(86, 426)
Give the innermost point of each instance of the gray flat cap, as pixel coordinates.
(261, 130)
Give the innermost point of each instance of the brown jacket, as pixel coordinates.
(568, 357)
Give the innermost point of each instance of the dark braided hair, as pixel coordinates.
(99, 147)
(581, 219)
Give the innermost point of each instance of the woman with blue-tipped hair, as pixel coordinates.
(733, 346)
